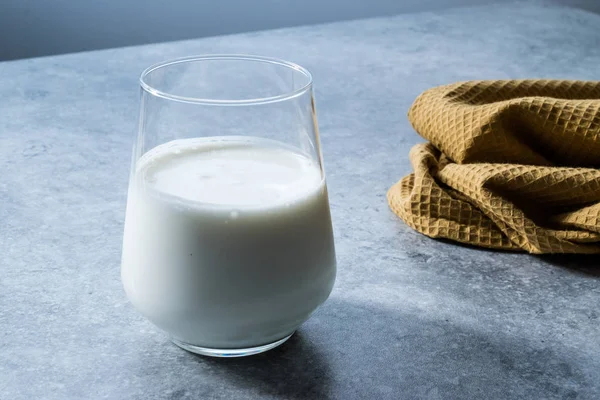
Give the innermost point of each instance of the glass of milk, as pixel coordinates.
(228, 244)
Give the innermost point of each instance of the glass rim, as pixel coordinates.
(226, 102)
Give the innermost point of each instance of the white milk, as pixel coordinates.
(228, 241)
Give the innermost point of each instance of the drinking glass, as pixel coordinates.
(228, 244)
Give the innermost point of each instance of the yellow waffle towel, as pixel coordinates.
(510, 164)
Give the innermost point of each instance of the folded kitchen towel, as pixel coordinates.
(510, 164)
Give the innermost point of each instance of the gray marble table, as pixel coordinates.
(409, 318)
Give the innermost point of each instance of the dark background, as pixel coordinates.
(31, 28)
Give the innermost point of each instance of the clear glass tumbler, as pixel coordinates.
(228, 245)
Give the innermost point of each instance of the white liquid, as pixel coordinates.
(228, 241)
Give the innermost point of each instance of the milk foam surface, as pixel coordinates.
(230, 172)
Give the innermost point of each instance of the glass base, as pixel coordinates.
(206, 351)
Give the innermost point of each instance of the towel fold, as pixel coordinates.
(510, 164)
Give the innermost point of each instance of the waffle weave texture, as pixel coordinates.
(510, 164)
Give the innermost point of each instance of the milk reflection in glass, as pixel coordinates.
(228, 241)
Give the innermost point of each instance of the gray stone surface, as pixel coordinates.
(409, 317)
